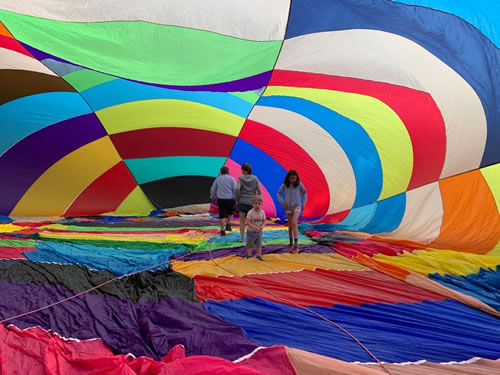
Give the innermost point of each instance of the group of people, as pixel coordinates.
(246, 194)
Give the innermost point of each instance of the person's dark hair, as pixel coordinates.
(224, 170)
(291, 172)
(247, 168)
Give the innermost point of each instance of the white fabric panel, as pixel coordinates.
(253, 20)
(14, 60)
(384, 57)
(320, 146)
(423, 215)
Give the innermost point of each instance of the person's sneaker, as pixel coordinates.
(290, 245)
(259, 258)
(295, 249)
(228, 227)
(222, 232)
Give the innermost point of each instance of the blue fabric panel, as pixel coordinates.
(464, 48)
(388, 215)
(482, 14)
(435, 331)
(270, 235)
(269, 172)
(485, 285)
(121, 91)
(24, 116)
(349, 135)
(118, 261)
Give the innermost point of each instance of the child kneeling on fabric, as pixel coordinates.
(256, 220)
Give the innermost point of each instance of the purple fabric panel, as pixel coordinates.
(144, 329)
(22, 164)
(150, 223)
(244, 84)
(242, 251)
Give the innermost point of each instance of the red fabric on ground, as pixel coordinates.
(14, 252)
(313, 288)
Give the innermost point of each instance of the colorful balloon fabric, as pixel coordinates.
(116, 118)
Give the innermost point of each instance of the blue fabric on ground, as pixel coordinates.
(118, 261)
(485, 285)
(435, 331)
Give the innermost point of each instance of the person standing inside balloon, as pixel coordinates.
(256, 220)
(223, 190)
(246, 188)
(295, 197)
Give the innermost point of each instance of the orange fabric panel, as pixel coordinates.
(389, 269)
(471, 221)
(4, 31)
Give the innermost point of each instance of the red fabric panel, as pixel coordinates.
(37, 352)
(271, 361)
(416, 109)
(14, 252)
(291, 156)
(313, 288)
(156, 142)
(370, 248)
(105, 194)
(13, 45)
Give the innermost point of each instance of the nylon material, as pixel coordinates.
(150, 169)
(119, 261)
(84, 79)
(388, 215)
(145, 286)
(350, 136)
(381, 123)
(321, 146)
(463, 48)
(492, 176)
(168, 113)
(478, 285)
(120, 91)
(312, 288)
(278, 146)
(4, 31)
(442, 331)
(358, 218)
(349, 50)
(141, 328)
(496, 250)
(14, 60)
(137, 50)
(24, 116)
(473, 366)
(269, 206)
(60, 68)
(272, 263)
(135, 203)
(469, 224)
(74, 173)
(480, 14)
(445, 262)
(258, 20)
(422, 216)
(268, 170)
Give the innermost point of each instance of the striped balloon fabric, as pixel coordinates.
(117, 117)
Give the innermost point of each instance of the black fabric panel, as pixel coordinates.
(179, 191)
(332, 238)
(144, 286)
(19, 83)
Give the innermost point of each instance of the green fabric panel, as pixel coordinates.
(204, 246)
(145, 51)
(249, 96)
(129, 245)
(152, 169)
(17, 243)
(84, 79)
(76, 228)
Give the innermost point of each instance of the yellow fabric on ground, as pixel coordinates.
(9, 228)
(236, 265)
(444, 262)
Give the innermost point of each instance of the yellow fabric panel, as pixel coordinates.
(383, 125)
(492, 176)
(496, 250)
(137, 203)
(161, 113)
(186, 238)
(10, 228)
(60, 185)
(444, 262)
(235, 265)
